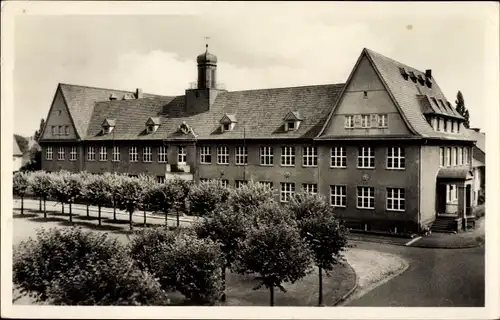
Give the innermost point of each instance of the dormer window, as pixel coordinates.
(413, 77)
(421, 79)
(152, 125)
(403, 73)
(228, 122)
(108, 125)
(292, 121)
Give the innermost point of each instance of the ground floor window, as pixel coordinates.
(366, 198)
(160, 179)
(240, 183)
(338, 196)
(266, 184)
(311, 188)
(396, 199)
(287, 189)
(224, 182)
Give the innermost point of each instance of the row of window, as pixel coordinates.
(338, 156)
(453, 156)
(440, 124)
(60, 130)
(366, 121)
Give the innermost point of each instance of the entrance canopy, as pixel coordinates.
(455, 173)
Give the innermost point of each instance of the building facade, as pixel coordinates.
(386, 148)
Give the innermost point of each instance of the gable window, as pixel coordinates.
(54, 130)
(396, 199)
(338, 157)
(288, 156)
(366, 198)
(240, 183)
(181, 155)
(73, 153)
(228, 122)
(382, 121)
(150, 128)
(205, 154)
(226, 126)
(90, 153)
(287, 189)
(266, 156)
(48, 153)
(365, 121)
(338, 196)
(162, 154)
(309, 156)
(310, 188)
(241, 155)
(447, 157)
(366, 158)
(61, 130)
(454, 156)
(395, 158)
(146, 154)
(290, 125)
(60, 153)
(66, 130)
(116, 154)
(103, 154)
(222, 155)
(460, 155)
(441, 157)
(349, 122)
(134, 157)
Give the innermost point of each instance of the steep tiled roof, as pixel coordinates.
(406, 95)
(81, 100)
(260, 114)
(15, 148)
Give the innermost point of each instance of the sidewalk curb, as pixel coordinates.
(351, 291)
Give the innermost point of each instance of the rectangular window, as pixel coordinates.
(445, 122)
(103, 153)
(66, 130)
(60, 153)
(90, 153)
(454, 156)
(349, 122)
(266, 156)
(267, 184)
(73, 153)
(48, 153)
(453, 126)
(54, 130)
(447, 157)
(288, 156)
(241, 155)
(441, 157)
(365, 121)
(240, 183)
(162, 154)
(205, 154)
(203, 180)
(366, 198)
(366, 158)
(311, 188)
(147, 155)
(382, 121)
(460, 155)
(287, 190)
(396, 199)
(222, 155)
(160, 179)
(309, 156)
(440, 124)
(181, 155)
(224, 182)
(134, 157)
(466, 155)
(451, 193)
(395, 158)
(61, 130)
(338, 196)
(116, 154)
(338, 157)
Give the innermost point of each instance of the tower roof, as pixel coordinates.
(207, 57)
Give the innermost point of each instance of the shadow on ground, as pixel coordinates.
(25, 216)
(91, 226)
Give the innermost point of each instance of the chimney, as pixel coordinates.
(428, 73)
(138, 93)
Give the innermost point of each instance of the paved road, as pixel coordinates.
(436, 277)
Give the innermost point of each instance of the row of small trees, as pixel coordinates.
(243, 230)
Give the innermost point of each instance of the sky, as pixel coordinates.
(258, 46)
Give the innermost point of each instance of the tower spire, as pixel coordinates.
(206, 43)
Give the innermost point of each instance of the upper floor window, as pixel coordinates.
(266, 156)
(445, 123)
(454, 156)
(447, 157)
(366, 158)
(395, 158)
(396, 199)
(453, 126)
(288, 156)
(466, 155)
(287, 189)
(365, 121)
(181, 155)
(241, 155)
(103, 154)
(162, 154)
(54, 130)
(441, 157)
(90, 153)
(222, 155)
(440, 124)
(73, 153)
(460, 155)
(205, 154)
(366, 198)
(116, 154)
(48, 153)
(338, 157)
(134, 157)
(147, 154)
(338, 196)
(382, 121)
(66, 130)
(349, 122)
(60, 153)
(311, 188)
(310, 156)
(61, 130)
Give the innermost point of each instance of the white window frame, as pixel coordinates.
(241, 155)
(310, 156)
(454, 156)
(162, 154)
(396, 155)
(383, 121)
(466, 155)
(441, 157)
(365, 193)
(266, 155)
(222, 155)
(147, 154)
(224, 182)
(460, 155)
(288, 156)
(338, 196)
(365, 121)
(268, 184)
(395, 199)
(311, 188)
(181, 155)
(103, 153)
(287, 189)
(338, 157)
(116, 154)
(349, 122)
(447, 157)
(73, 154)
(240, 183)
(366, 155)
(90, 153)
(133, 154)
(60, 153)
(205, 155)
(440, 124)
(49, 153)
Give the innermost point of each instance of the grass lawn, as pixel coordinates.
(239, 288)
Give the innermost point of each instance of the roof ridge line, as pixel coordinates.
(293, 87)
(101, 88)
(394, 60)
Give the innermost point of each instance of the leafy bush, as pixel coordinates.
(204, 197)
(146, 244)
